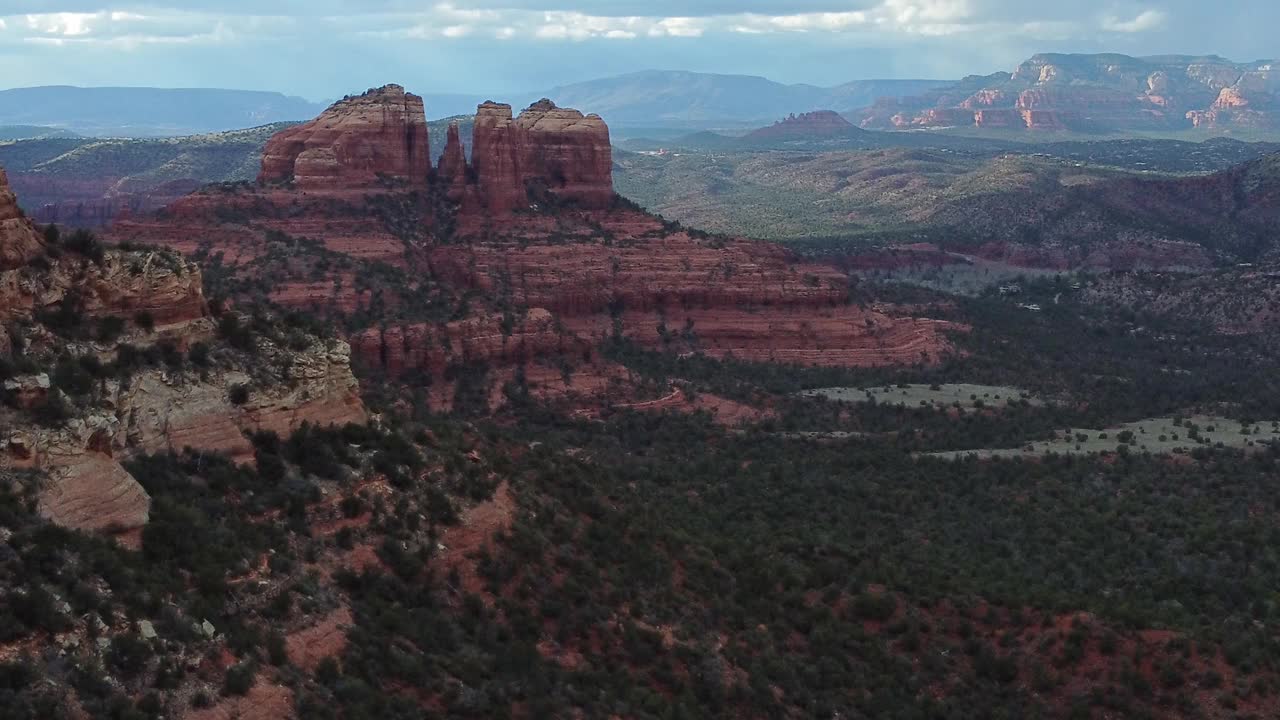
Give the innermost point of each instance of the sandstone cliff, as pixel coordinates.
(547, 283)
(1100, 92)
(359, 142)
(453, 165)
(55, 309)
(19, 241)
(560, 149)
(127, 283)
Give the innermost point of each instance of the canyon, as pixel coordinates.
(372, 433)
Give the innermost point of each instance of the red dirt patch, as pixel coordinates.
(479, 524)
(327, 638)
(265, 701)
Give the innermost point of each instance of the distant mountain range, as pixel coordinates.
(1056, 92)
(32, 132)
(700, 100)
(148, 112)
(680, 100)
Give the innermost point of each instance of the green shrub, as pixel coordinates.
(144, 320)
(239, 394)
(240, 678)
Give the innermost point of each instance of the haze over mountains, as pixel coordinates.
(1053, 92)
(148, 112)
(654, 98)
(1099, 92)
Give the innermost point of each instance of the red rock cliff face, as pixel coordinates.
(354, 144)
(561, 148)
(453, 165)
(1056, 92)
(19, 241)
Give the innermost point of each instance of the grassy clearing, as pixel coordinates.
(964, 396)
(1160, 436)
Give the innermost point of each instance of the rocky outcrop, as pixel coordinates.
(85, 487)
(671, 291)
(126, 284)
(986, 99)
(360, 142)
(19, 241)
(997, 119)
(817, 124)
(453, 165)
(1239, 107)
(546, 148)
(937, 117)
(160, 412)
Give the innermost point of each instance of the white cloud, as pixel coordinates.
(66, 24)
(1144, 21)
(684, 27)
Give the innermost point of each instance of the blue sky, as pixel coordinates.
(325, 48)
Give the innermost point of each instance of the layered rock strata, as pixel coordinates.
(360, 142)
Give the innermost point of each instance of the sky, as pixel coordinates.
(321, 49)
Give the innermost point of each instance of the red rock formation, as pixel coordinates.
(1230, 98)
(585, 268)
(1106, 91)
(477, 339)
(997, 119)
(239, 224)
(987, 99)
(558, 148)
(453, 165)
(158, 414)
(123, 284)
(1239, 107)
(729, 297)
(842, 335)
(19, 241)
(1045, 119)
(945, 117)
(357, 143)
(821, 123)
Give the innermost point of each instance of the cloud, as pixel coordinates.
(66, 24)
(1143, 22)
(327, 47)
(875, 22)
